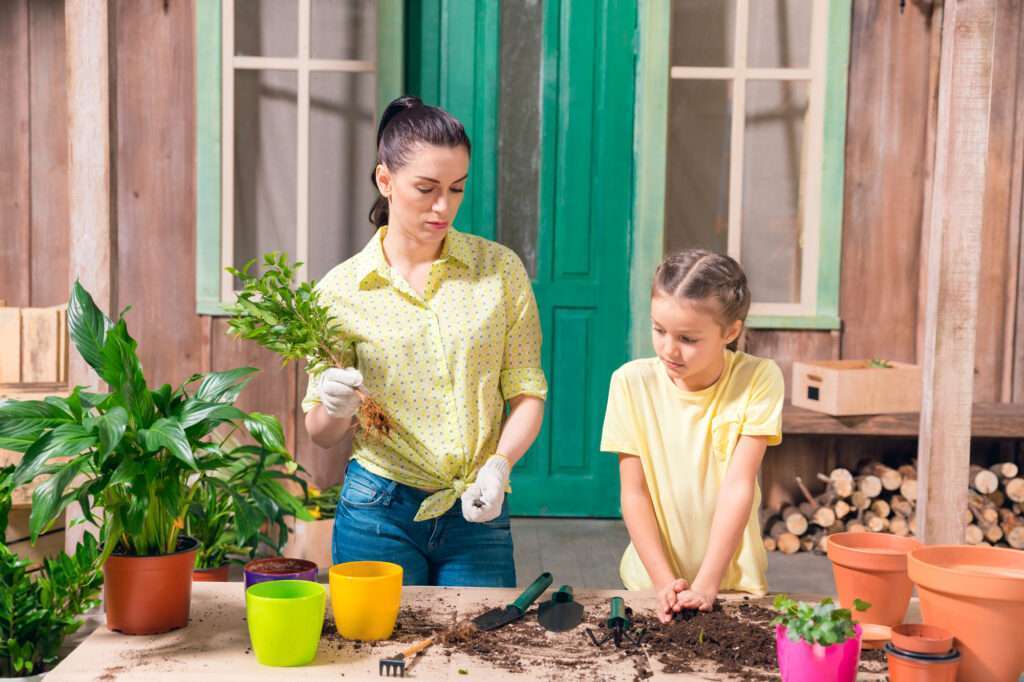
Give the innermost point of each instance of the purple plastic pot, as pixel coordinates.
(800, 661)
(278, 568)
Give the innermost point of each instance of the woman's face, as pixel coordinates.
(424, 195)
(689, 339)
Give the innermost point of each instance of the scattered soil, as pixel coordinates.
(735, 640)
(278, 565)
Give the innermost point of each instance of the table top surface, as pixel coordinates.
(216, 645)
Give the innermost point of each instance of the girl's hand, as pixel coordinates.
(695, 598)
(668, 599)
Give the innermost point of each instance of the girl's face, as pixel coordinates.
(689, 340)
(424, 195)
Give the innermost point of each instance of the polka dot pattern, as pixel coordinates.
(442, 364)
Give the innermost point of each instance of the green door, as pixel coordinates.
(546, 89)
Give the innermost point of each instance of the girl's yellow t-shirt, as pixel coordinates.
(684, 440)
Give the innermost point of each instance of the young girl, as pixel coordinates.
(691, 426)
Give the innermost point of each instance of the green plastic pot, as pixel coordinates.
(285, 620)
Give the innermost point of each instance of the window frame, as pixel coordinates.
(654, 73)
(214, 149)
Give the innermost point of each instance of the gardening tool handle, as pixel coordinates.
(418, 647)
(531, 593)
(618, 608)
(563, 596)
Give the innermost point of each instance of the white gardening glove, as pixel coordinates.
(338, 391)
(482, 501)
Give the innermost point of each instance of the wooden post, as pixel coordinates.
(91, 208)
(954, 254)
(92, 233)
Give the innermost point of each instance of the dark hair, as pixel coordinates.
(405, 123)
(697, 275)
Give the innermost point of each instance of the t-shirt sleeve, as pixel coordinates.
(764, 406)
(619, 434)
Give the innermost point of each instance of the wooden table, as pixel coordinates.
(215, 646)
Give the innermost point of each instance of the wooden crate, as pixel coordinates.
(850, 387)
(33, 347)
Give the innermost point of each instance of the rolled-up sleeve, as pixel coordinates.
(521, 371)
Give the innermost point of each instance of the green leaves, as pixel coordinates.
(167, 433)
(22, 422)
(822, 623)
(87, 326)
(224, 387)
(66, 440)
(290, 322)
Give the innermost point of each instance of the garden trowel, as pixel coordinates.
(495, 618)
(561, 613)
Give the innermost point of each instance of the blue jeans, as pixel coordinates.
(374, 522)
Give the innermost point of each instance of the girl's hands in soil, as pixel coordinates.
(694, 598)
(668, 599)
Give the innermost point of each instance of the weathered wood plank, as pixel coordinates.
(49, 141)
(954, 258)
(885, 162)
(786, 346)
(15, 199)
(989, 420)
(156, 187)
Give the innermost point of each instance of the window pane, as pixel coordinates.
(780, 33)
(266, 28)
(772, 191)
(344, 29)
(703, 32)
(519, 129)
(697, 178)
(342, 130)
(265, 132)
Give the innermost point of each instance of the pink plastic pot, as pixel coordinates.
(803, 662)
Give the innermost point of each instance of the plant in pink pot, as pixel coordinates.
(817, 642)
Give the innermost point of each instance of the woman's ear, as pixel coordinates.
(383, 181)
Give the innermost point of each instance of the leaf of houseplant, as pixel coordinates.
(49, 500)
(122, 370)
(66, 440)
(87, 326)
(111, 427)
(167, 433)
(266, 430)
(195, 410)
(224, 387)
(23, 421)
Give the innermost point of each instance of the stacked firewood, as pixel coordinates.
(881, 499)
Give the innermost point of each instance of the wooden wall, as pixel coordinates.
(892, 88)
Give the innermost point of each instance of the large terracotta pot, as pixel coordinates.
(150, 594)
(221, 574)
(872, 567)
(977, 593)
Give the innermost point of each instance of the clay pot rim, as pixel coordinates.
(948, 657)
(928, 639)
(337, 571)
(972, 586)
(880, 558)
(191, 545)
(253, 567)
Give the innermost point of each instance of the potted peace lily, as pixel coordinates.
(817, 641)
(38, 611)
(242, 508)
(133, 458)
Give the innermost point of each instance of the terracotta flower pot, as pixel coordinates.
(872, 567)
(221, 574)
(922, 639)
(278, 568)
(907, 666)
(977, 593)
(150, 594)
(802, 661)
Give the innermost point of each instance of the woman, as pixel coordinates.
(445, 332)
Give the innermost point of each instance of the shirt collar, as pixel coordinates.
(372, 261)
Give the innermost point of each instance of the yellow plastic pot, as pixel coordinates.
(365, 597)
(285, 619)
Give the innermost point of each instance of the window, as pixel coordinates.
(287, 98)
(748, 98)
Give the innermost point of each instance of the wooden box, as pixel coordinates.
(17, 536)
(852, 387)
(33, 347)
